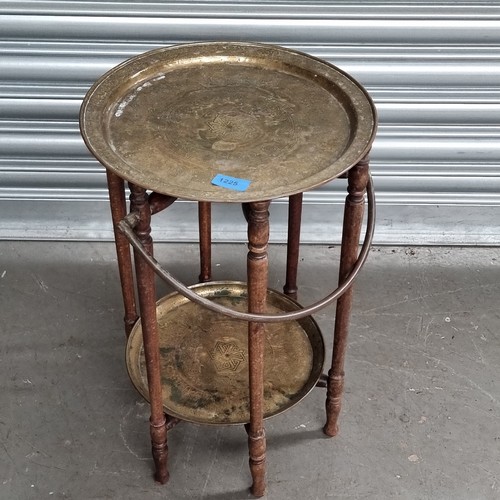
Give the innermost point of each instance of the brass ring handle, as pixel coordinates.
(125, 227)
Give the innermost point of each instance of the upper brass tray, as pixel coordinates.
(171, 119)
(204, 357)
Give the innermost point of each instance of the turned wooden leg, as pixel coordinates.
(116, 187)
(292, 248)
(257, 272)
(353, 218)
(205, 229)
(147, 302)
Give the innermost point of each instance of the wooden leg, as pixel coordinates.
(118, 204)
(205, 228)
(292, 248)
(147, 303)
(257, 272)
(353, 218)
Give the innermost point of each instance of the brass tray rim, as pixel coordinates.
(109, 159)
(310, 384)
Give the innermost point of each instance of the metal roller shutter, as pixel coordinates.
(432, 69)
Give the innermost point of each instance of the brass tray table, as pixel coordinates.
(240, 123)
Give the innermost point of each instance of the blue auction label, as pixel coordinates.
(229, 182)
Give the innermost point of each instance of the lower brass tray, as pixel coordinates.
(204, 357)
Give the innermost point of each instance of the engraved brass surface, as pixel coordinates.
(171, 119)
(204, 357)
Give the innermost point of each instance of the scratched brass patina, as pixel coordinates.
(171, 119)
(204, 357)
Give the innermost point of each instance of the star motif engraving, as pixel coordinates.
(227, 356)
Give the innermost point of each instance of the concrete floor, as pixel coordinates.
(420, 418)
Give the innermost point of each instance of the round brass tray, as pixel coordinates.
(172, 119)
(204, 357)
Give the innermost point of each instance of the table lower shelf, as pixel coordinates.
(204, 357)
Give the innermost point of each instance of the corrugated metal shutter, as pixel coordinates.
(432, 69)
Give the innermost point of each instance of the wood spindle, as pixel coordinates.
(257, 272)
(353, 217)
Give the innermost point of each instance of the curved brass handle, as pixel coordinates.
(126, 227)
